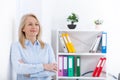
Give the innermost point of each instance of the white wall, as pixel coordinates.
(7, 13)
(112, 16)
(88, 11)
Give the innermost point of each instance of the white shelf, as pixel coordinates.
(83, 54)
(78, 30)
(83, 78)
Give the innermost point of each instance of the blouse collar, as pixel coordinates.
(28, 42)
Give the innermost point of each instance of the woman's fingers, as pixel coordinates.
(51, 67)
(27, 75)
(21, 61)
(54, 67)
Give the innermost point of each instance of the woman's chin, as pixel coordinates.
(33, 35)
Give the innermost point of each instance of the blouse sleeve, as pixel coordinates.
(43, 74)
(22, 68)
(51, 60)
(51, 55)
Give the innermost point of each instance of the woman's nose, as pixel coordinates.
(34, 26)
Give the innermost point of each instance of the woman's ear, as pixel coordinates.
(23, 30)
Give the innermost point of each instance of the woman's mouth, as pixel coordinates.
(32, 30)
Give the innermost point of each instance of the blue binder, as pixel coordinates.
(104, 42)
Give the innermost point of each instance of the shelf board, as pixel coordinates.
(83, 54)
(83, 78)
(78, 30)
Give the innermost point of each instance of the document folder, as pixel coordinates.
(65, 67)
(70, 43)
(101, 67)
(66, 42)
(78, 66)
(60, 66)
(70, 66)
(97, 67)
(104, 42)
(64, 48)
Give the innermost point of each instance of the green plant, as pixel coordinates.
(73, 18)
(98, 22)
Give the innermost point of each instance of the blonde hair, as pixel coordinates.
(22, 34)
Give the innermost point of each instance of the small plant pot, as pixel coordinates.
(70, 26)
(98, 27)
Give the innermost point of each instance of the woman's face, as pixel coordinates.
(31, 27)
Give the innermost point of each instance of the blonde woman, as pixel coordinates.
(31, 58)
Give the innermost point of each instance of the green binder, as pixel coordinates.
(70, 66)
(78, 66)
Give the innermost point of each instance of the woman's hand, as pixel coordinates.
(21, 61)
(50, 67)
(27, 75)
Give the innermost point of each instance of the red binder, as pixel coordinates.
(97, 67)
(101, 67)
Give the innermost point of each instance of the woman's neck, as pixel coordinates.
(32, 39)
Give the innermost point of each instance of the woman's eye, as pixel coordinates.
(37, 24)
(30, 24)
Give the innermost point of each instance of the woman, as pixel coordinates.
(31, 58)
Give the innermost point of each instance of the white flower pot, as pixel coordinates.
(98, 27)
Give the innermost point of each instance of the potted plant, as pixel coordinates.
(72, 19)
(98, 23)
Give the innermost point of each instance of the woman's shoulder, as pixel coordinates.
(17, 43)
(47, 45)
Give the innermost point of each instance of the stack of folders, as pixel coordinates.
(99, 44)
(68, 65)
(66, 43)
(97, 71)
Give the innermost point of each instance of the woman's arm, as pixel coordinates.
(50, 68)
(23, 68)
(51, 54)
(43, 74)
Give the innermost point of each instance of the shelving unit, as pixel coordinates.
(82, 41)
